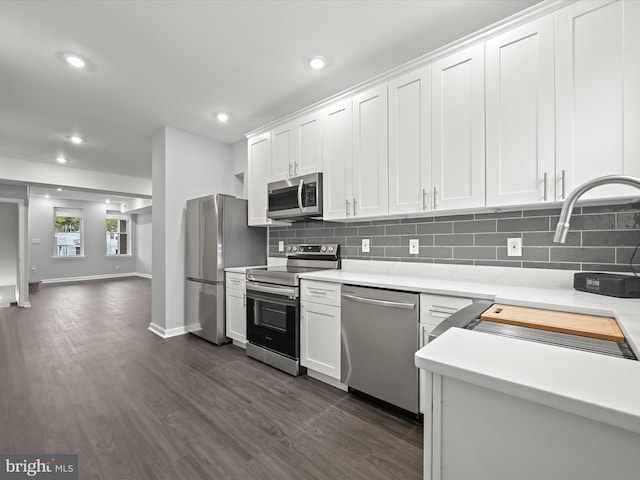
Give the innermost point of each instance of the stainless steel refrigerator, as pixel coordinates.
(217, 237)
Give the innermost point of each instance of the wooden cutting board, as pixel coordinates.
(604, 328)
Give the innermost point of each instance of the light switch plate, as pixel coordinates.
(365, 245)
(514, 247)
(281, 245)
(414, 246)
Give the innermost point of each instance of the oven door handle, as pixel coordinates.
(290, 292)
(302, 208)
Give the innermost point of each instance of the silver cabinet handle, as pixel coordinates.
(564, 184)
(295, 168)
(355, 207)
(544, 187)
(317, 292)
(424, 199)
(347, 206)
(302, 209)
(290, 166)
(435, 191)
(380, 303)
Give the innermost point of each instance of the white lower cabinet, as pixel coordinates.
(433, 310)
(320, 327)
(236, 308)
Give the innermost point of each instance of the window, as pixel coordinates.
(68, 232)
(117, 233)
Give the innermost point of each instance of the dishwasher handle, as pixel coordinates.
(380, 303)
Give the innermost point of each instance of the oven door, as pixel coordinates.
(273, 318)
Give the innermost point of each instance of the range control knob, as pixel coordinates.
(323, 249)
(330, 249)
(289, 249)
(294, 249)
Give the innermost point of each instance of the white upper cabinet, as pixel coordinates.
(370, 155)
(337, 152)
(597, 94)
(297, 148)
(308, 145)
(458, 161)
(410, 142)
(259, 165)
(282, 149)
(520, 115)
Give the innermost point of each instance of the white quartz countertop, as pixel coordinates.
(596, 386)
(546, 289)
(241, 269)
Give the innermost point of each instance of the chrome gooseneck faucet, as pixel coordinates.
(567, 208)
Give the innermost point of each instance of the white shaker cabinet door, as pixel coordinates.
(370, 154)
(337, 153)
(282, 151)
(520, 115)
(258, 176)
(308, 145)
(458, 130)
(320, 338)
(236, 315)
(597, 94)
(410, 142)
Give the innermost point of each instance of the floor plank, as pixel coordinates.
(80, 373)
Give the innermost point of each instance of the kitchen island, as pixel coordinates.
(507, 408)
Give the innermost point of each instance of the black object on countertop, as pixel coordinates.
(611, 284)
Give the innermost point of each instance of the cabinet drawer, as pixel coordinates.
(235, 280)
(320, 292)
(435, 308)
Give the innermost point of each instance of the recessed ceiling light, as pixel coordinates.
(222, 117)
(61, 159)
(317, 63)
(76, 139)
(59, 189)
(75, 60)
(108, 201)
(46, 195)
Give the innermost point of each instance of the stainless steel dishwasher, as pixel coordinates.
(379, 340)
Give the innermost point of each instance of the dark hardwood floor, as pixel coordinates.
(81, 374)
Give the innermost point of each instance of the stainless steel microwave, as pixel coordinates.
(295, 198)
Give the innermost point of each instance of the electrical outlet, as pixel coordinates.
(514, 247)
(365, 245)
(414, 246)
(281, 245)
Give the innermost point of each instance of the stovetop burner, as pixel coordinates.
(301, 258)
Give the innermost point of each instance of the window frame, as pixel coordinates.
(116, 215)
(70, 212)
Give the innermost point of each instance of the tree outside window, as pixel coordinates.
(117, 234)
(68, 232)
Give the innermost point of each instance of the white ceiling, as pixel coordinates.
(175, 63)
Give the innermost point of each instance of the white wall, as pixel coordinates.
(240, 157)
(19, 195)
(95, 261)
(9, 244)
(184, 166)
(143, 245)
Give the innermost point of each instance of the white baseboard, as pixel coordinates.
(172, 332)
(327, 379)
(143, 275)
(88, 277)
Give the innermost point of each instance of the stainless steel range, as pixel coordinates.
(273, 305)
